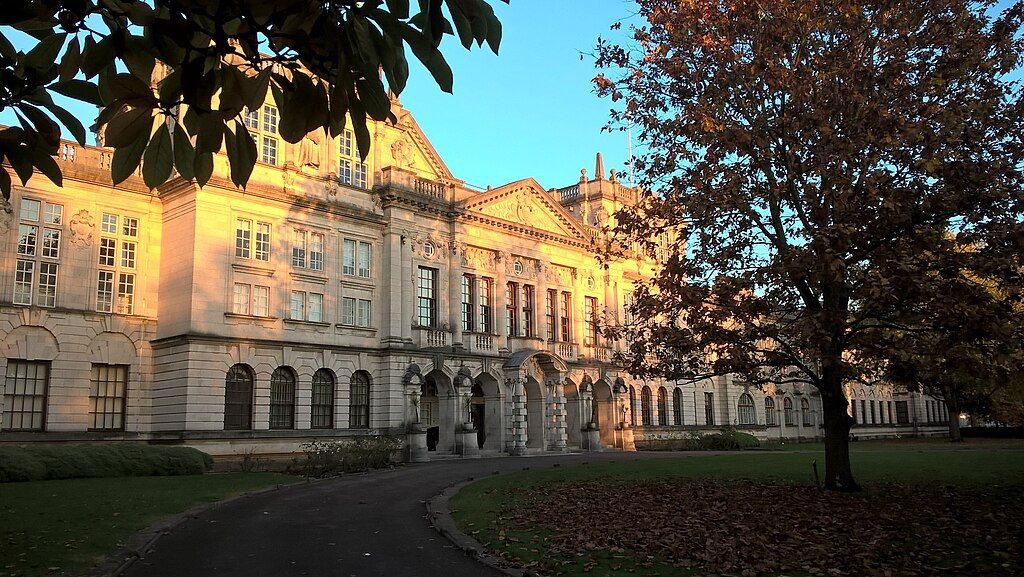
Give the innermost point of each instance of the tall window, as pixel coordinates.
(902, 412)
(251, 300)
(238, 398)
(357, 257)
(426, 300)
(356, 312)
(632, 405)
(40, 226)
(25, 389)
(550, 303)
(248, 247)
(359, 401)
(863, 411)
(805, 412)
(322, 412)
(787, 411)
(871, 406)
(466, 292)
(262, 123)
(529, 298)
(662, 406)
(566, 317)
(299, 248)
(677, 406)
(709, 408)
(307, 307)
(282, 398)
(645, 406)
(590, 318)
(512, 309)
(107, 397)
(484, 295)
(351, 170)
(627, 306)
(769, 412)
(745, 408)
(115, 284)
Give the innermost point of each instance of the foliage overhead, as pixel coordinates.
(829, 164)
(322, 61)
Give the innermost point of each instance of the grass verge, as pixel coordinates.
(510, 513)
(63, 527)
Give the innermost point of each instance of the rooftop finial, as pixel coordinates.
(599, 169)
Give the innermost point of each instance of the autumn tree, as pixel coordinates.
(324, 61)
(825, 163)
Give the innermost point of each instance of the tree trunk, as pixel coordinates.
(838, 473)
(953, 414)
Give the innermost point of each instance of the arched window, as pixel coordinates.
(805, 412)
(632, 405)
(662, 406)
(238, 398)
(359, 401)
(746, 410)
(645, 406)
(282, 399)
(769, 411)
(787, 411)
(677, 406)
(322, 412)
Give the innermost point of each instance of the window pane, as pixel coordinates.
(299, 248)
(27, 238)
(270, 119)
(316, 251)
(130, 226)
(105, 291)
(359, 401)
(23, 276)
(316, 307)
(262, 241)
(47, 284)
(127, 254)
(109, 223)
(364, 313)
(282, 399)
(345, 171)
(365, 252)
(53, 214)
(238, 398)
(348, 311)
(126, 294)
(322, 413)
(348, 262)
(107, 397)
(25, 386)
(242, 299)
(298, 305)
(261, 301)
(29, 210)
(243, 238)
(51, 243)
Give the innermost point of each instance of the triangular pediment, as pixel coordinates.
(525, 202)
(405, 146)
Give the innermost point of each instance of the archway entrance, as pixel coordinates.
(491, 401)
(478, 414)
(437, 412)
(537, 410)
(535, 433)
(604, 412)
(575, 420)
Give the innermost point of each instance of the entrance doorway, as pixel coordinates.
(477, 413)
(430, 412)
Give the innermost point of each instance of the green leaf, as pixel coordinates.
(203, 167)
(138, 58)
(97, 55)
(431, 58)
(5, 182)
(128, 126)
(44, 54)
(126, 159)
(376, 102)
(71, 60)
(241, 154)
(128, 87)
(20, 158)
(47, 166)
(159, 158)
(184, 153)
(210, 133)
(81, 90)
(399, 8)
(462, 24)
(73, 124)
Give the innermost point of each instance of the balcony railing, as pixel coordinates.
(570, 193)
(405, 180)
(426, 337)
(568, 351)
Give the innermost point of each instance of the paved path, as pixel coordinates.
(358, 526)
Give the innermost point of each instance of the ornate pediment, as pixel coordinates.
(524, 203)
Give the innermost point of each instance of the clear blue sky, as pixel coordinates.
(531, 110)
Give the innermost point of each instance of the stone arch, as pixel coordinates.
(30, 343)
(577, 403)
(439, 408)
(112, 349)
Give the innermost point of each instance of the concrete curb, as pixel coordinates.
(138, 544)
(439, 513)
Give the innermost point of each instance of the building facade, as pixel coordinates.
(335, 297)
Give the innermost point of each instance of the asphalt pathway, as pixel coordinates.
(356, 526)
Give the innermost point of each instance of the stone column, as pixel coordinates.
(416, 433)
(517, 420)
(408, 304)
(395, 316)
(557, 436)
(500, 312)
(455, 295)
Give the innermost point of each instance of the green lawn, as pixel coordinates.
(63, 527)
(511, 513)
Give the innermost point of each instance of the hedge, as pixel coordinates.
(41, 462)
(727, 440)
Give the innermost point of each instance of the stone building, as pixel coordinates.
(333, 298)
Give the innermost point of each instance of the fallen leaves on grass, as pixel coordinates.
(749, 529)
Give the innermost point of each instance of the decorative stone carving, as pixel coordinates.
(309, 150)
(401, 152)
(429, 246)
(479, 259)
(82, 227)
(6, 212)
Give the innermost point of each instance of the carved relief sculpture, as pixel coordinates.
(82, 226)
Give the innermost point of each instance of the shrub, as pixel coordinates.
(41, 462)
(329, 458)
(728, 439)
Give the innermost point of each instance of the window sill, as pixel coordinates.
(356, 328)
(246, 267)
(315, 277)
(249, 317)
(301, 322)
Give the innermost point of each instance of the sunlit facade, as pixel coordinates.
(336, 297)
